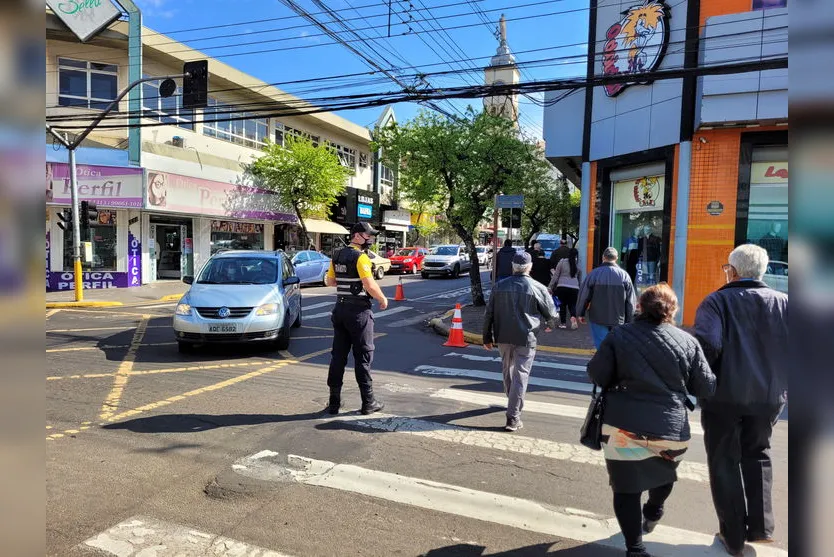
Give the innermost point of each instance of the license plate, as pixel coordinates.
(224, 328)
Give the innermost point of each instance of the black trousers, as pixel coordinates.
(567, 298)
(630, 518)
(741, 474)
(353, 330)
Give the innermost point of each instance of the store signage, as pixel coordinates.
(174, 193)
(85, 18)
(400, 218)
(134, 260)
(237, 227)
(715, 208)
(769, 173)
(636, 44)
(365, 211)
(107, 186)
(365, 199)
(61, 281)
(641, 194)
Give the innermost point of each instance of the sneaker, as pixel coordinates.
(734, 553)
(573, 324)
(648, 525)
(562, 326)
(513, 425)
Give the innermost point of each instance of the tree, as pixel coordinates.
(424, 196)
(462, 164)
(305, 177)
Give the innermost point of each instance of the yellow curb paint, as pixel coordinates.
(111, 403)
(131, 314)
(125, 328)
(566, 350)
(195, 368)
(105, 347)
(171, 298)
(49, 427)
(64, 305)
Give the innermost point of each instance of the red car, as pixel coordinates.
(408, 260)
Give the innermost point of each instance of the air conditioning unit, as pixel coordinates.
(178, 141)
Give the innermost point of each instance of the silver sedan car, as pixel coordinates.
(240, 296)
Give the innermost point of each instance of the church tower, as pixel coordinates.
(502, 70)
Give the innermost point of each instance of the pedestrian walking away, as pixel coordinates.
(647, 369)
(541, 265)
(353, 321)
(504, 260)
(609, 293)
(559, 253)
(513, 318)
(565, 286)
(743, 328)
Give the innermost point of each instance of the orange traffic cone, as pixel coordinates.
(456, 332)
(399, 295)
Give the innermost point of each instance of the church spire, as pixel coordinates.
(503, 56)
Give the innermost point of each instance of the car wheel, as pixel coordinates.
(424, 275)
(414, 269)
(380, 272)
(297, 323)
(283, 340)
(185, 347)
(456, 272)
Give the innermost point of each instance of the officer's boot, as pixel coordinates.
(335, 402)
(370, 403)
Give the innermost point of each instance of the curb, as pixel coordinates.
(474, 338)
(60, 305)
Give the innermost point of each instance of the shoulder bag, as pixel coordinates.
(591, 433)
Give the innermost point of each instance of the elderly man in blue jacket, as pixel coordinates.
(513, 318)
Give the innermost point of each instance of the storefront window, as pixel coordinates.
(227, 235)
(638, 227)
(767, 217)
(103, 237)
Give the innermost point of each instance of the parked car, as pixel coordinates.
(776, 275)
(379, 265)
(240, 296)
(448, 260)
(409, 260)
(549, 242)
(310, 266)
(484, 255)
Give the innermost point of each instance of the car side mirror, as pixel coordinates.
(188, 279)
(289, 281)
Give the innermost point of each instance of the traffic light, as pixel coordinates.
(88, 216)
(510, 218)
(65, 220)
(195, 84)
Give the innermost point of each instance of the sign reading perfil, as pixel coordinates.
(85, 18)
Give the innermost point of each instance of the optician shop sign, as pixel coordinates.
(85, 18)
(174, 193)
(107, 186)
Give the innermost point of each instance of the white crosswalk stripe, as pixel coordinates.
(536, 363)
(480, 505)
(497, 376)
(377, 314)
(319, 305)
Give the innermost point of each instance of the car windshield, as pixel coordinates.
(549, 244)
(447, 250)
(407, 252)
(239, 270)
(481, 249)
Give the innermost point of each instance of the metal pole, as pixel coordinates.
(495, 247)
(76, 229)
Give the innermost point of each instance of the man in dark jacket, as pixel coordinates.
(559, 253)
(512, 320)
(743, 328)
(504, 260)
(609, 293)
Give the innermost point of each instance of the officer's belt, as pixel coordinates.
(354, 300)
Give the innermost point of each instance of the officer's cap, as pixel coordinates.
(363, 228)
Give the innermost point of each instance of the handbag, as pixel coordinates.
(591, 433)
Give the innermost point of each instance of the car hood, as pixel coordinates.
(440, 258)
(401, 257)
(232, 295)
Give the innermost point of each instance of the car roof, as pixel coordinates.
(249, 253)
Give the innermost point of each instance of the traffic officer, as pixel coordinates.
(353, 321)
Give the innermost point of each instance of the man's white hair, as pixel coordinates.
(522, 269)
(750, 261)
(610, 254)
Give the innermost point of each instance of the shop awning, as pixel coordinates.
(394, 227)
(324, 227)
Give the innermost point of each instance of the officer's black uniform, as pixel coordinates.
(353, 327)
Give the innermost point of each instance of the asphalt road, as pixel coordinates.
(227, 451)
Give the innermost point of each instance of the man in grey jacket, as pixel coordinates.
(610, 294)
(513, 317)
(743, 328)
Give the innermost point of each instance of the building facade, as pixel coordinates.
(677, 171)
(188, 196)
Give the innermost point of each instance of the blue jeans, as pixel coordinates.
(599, 332)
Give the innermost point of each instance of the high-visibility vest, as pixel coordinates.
(348, 283)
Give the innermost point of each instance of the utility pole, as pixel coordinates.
(166, 89)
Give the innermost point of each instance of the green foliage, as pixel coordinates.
(305, 177)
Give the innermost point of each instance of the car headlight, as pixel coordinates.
(183, 309)
(267, 309)
(407, 260)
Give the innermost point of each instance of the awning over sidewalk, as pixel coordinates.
(394, 227)
(324, 227)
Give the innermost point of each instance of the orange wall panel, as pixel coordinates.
(711, 8)
(592, 206)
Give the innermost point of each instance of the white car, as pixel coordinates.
(240, 296)
(448, 261)
(484, 255)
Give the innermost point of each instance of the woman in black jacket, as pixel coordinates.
(647, 369)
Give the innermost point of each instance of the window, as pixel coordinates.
(302, 257)
(638, 227)
(387, 177)
(239, 270)
(103, 237)
(222, 122)
(347, 156)
(282, 131)
(288, 269)
(168, 110)
(86, 84)
(363, 160)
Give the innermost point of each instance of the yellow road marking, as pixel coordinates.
(125, 328)
(85, 376)
(108, 312)
(105, 347)
(51, 312)
(111, 403)
(155, 371)
(565, 350)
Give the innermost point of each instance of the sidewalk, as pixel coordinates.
(162, 291)
(563, 341)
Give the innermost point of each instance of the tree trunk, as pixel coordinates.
(475, 270)
(303, 228)
(417, 228)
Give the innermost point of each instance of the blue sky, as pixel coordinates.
(557, 27)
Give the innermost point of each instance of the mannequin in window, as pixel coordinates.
(651, 254)
(631, 253)
(775, 246)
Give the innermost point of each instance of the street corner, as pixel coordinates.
(171, 298)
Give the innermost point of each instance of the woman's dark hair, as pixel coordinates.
(658, 304)
(573, 254)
